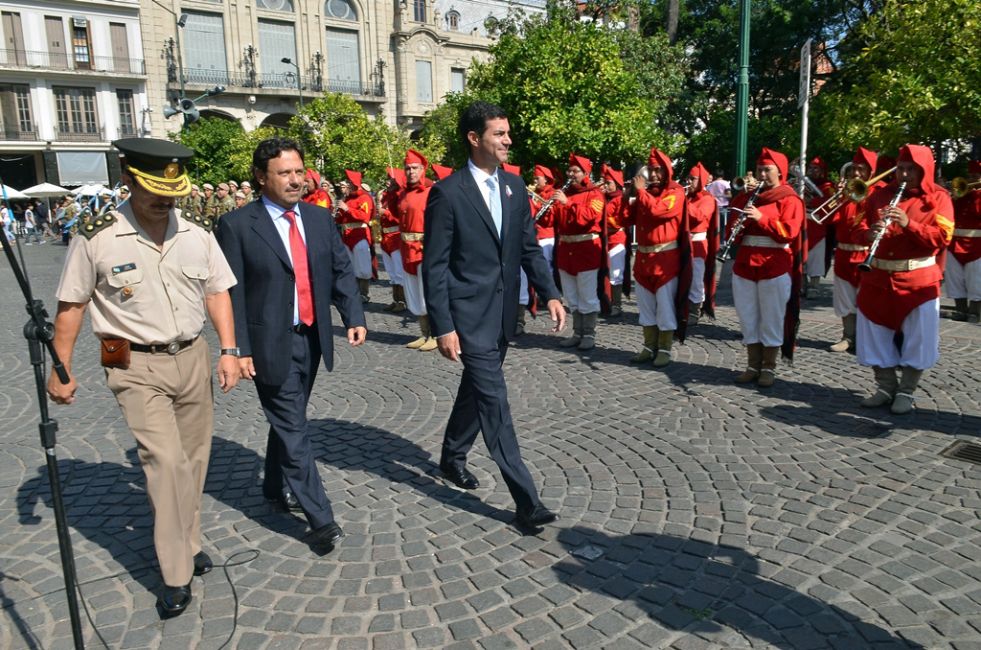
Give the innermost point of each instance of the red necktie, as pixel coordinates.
(298, 251)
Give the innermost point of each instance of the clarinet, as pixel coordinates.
(542, 211)
(737, 229)
(867, 264)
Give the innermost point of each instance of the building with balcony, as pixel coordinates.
(72, 79)
(396, 59)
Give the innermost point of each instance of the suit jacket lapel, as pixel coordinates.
(476, 198)
(263, 226)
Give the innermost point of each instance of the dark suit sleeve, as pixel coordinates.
(435, 261)
(231, 246)
(532, 259)
(344, 292)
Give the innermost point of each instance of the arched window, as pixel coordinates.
(453, 20)
(275, 5)
(341, 10)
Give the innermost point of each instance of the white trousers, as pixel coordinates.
(658, 308)
(697, 292)
(962, 280)
(875, 345)
(814, 266)
(361, 260)
(761, 307)
(844, 297)
(580, 291)
(523, 298)
(393, 266)
(415, 299)
(547, 245)
(618, 262)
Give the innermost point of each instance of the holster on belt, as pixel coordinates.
(115, 353)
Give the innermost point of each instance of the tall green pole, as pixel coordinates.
(742, 92)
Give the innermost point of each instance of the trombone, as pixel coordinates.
(855, 190)
(960, 186)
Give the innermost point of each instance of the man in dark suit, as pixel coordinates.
(291, 265)
(479, 233)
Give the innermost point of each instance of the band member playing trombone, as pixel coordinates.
(767, 273)
(579, 222)
(616, 236)
(703, 223)
(963, 270)
(849, 251)
(663, 252)
(909, 223)
(816, 266)
(544, 188)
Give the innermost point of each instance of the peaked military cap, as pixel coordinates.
(157, 165)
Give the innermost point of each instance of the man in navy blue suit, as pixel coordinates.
(291, 265)
(479, 233)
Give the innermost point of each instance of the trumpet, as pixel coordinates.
(866, 265)
(547, 205)
(743, 184)
(533, 194)
(726, 248)
(960, 186)
(855, 190)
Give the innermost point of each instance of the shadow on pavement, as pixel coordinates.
(707, 589)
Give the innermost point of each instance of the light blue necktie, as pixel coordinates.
(495, 202)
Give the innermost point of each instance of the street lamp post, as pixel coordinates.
(742, 90)
(299, 82)
(179, 22)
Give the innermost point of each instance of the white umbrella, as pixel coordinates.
(46, 191)
(94, 189)
(12, 194)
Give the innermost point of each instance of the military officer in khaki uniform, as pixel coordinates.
(150, 276)
(209, 201)
(225, 201)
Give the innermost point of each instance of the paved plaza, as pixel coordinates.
(694, 513)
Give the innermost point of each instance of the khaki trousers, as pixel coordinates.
(168, 404)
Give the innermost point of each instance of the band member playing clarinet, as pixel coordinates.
(899, 298)
(767, 274)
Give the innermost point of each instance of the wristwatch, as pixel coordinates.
(235, 352)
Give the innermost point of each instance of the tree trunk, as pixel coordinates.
(672, 26)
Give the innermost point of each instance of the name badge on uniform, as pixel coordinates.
(122, 268)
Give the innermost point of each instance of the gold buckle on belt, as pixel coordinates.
(897, 266)
(390, 230)
(572, 239)
(412, 236)
(352, 226)
(658, 248)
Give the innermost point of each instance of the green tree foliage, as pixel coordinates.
(909, 73)
(337, 134)
(570, 85)
(213, 140)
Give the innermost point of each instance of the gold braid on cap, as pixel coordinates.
(177, 186)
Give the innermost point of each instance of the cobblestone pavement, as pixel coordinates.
(694, 513)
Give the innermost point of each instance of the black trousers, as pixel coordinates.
(289, 459)
(482, 405)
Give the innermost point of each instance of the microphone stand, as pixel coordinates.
(38, 331)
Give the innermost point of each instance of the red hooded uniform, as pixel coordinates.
(851, 247)
(580, 224)
(816, 232)
(966, 244)
(543, 227)
(616, 235)
(411, 211)
(353, 222)
(318, 196)
(659, 218)
(703, 224)
(905, 273)
(391, 237)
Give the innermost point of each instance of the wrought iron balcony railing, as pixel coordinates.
(34, 59)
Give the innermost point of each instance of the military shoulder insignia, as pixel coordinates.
(203, 222)
(94, 226)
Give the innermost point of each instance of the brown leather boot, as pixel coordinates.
(847, 341)
(588, 341)
(664, 340)
(363, 286)
(754, 354)
(646, 354)
(694, 312)
(616, 301)
(576, 336)
(903, 402)
(424, 329)
(886, 385)
(768, 373)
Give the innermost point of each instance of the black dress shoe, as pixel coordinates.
(286, 501)
(460, 476)
(322, 540)
(202, 564)
(174, 600)
(536, 517)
